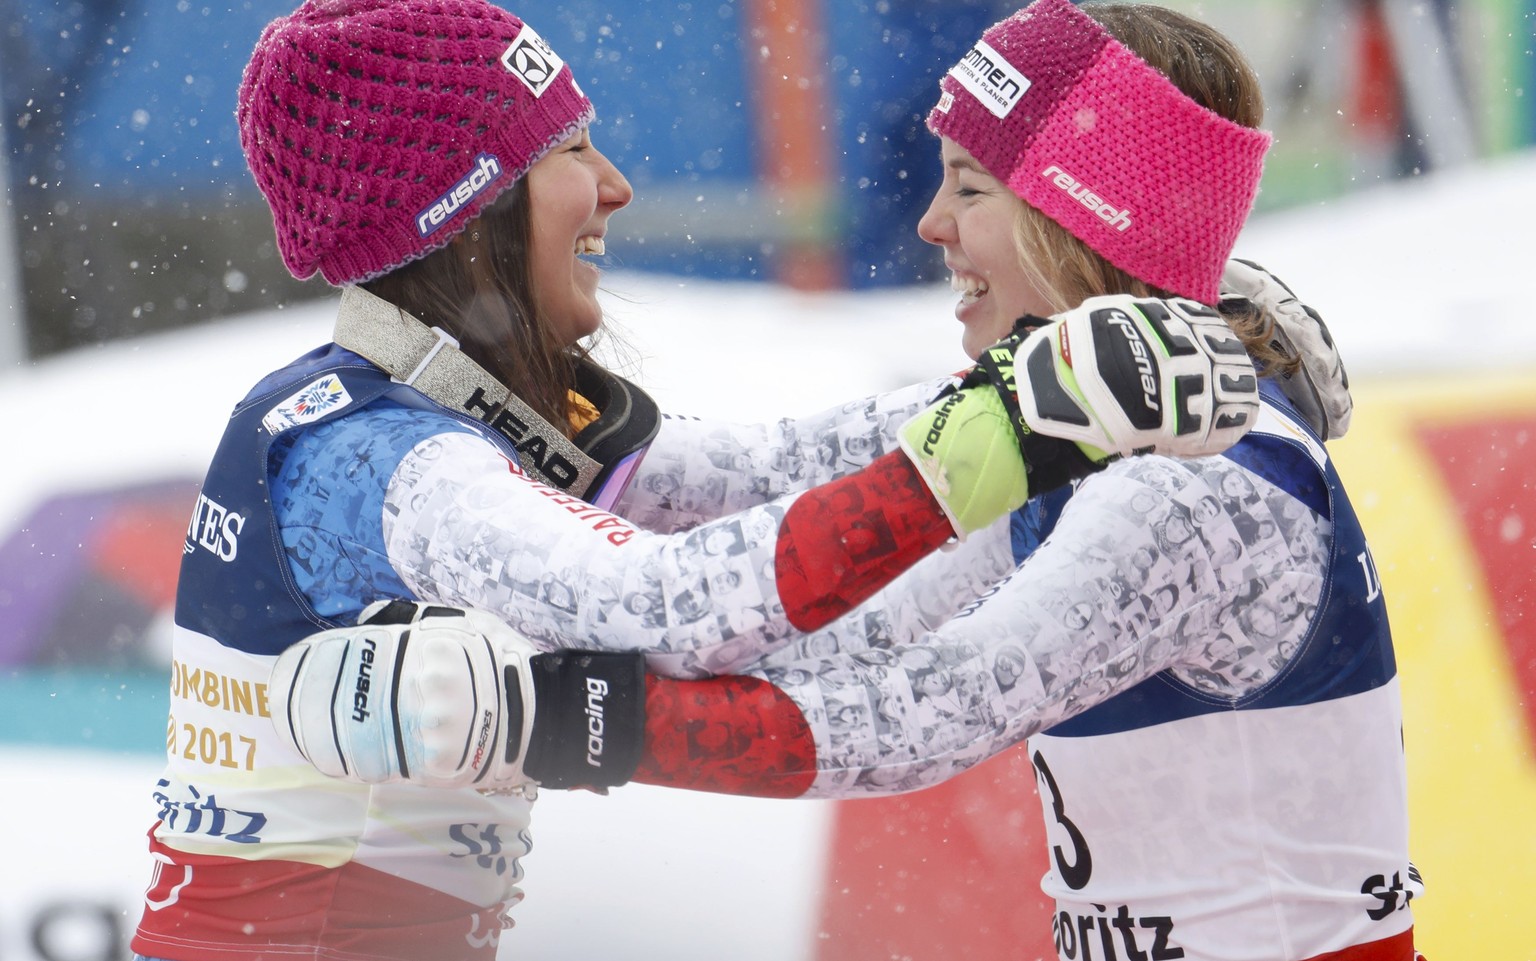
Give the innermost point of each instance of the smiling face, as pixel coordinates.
(574, 190)
(1205, 510)
(1078, 615)
(972, 217)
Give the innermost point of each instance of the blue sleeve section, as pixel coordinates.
(1281, 462)
(327, 487)
(1033, 523)
(321, 358)
(1347, 650)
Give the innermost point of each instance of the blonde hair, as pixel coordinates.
(1209, 69)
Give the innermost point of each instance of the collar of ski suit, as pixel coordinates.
(595, 465)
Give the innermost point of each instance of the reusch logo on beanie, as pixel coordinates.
(1098, 140)
(487, 171)
(378, 129)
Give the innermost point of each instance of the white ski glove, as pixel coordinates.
(1060, 398)
(1320, 388)
(451, 698)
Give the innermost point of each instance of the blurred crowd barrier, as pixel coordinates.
(773, 139)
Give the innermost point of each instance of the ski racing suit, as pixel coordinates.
(335, 486)
(1198, 656)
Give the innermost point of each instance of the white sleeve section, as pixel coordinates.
(698, 470)
(463, 526)
(1149, 568)
(937, 588)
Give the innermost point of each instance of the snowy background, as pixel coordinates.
(1418, 279)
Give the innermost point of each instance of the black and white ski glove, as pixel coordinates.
(1320, 388)
(1117, 375)
(452, 698)
(1128, 375)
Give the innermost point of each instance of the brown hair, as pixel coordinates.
(1209, 69)
(479, 289)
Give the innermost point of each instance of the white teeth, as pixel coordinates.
(591, 245)
(969, 288)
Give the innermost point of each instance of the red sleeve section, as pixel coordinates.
(728, 735)
(843, 541)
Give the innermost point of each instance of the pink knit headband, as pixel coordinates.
(1088, 133)
(378, 129)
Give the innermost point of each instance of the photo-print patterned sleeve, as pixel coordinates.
(1201, 567)
(937, 588)
(697, 469)
(463, 526)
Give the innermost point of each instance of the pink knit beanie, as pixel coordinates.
(1088, 133)
(377, 129)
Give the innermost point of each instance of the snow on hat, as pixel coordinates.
(378, 129)
(1098, 140)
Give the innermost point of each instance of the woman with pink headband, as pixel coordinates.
(1219, 749)
(1217, 733)
(1206, 685)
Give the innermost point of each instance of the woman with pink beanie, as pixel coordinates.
(1205, 685)
(368, 796)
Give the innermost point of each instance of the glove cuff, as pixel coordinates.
(589, 718)
(964, 449)
(1050, 461)
(1053, 462)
